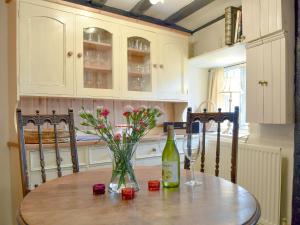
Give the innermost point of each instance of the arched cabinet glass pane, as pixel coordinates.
(139, 64)
(97, 56)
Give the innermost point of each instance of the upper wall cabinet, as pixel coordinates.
(263, 17)
(139, 65)
(171, 68)
(269, 82)
(70, 52)
(46, 51)
(97, 60)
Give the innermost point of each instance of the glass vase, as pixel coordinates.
(123, 159)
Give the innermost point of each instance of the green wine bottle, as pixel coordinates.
(170, 162)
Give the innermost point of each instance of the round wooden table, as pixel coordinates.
(69, 200)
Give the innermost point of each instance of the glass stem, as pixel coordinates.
(193, 171)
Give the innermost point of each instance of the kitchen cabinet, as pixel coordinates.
(139, 63)
(251, 19)
(171, 68)
(46, 51)
(270, 81)
(264, 17)
(66, 52)
(97, 45)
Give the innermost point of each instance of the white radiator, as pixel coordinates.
(259, 171)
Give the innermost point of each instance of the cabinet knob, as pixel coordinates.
(161, 66)
(155, 65)
(79, 55)
(260, 82)
(70, 53)
(153, 149)
(265, 83)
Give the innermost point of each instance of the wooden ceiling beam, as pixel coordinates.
(187, 10)
(98, 2)
(141, 7)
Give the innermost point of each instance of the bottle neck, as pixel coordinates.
(171, 135)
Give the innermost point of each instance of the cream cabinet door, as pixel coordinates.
(254, 92)
(276, 76)
(139, 63)
(171, 76)
(270, 16)
(97, 58)
(251, 19)
(46, 44)
(269, 83)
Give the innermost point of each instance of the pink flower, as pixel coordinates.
(137, 129)
(136, 110)
(101, 126)
(117, 137)
(142, 123)
(105, 112)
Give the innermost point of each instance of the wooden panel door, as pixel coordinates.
(97, 58)
(254, 91)
(270, 16)
(172, 58)
(251, 19)
(139, 63)
(46, 51)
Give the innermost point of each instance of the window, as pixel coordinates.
(227, 89)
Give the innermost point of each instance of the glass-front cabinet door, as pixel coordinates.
(139, 74)
(97, 60)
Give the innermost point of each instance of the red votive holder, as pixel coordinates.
(99, 189)
(127, 193)
(153, 185)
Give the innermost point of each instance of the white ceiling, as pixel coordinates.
(207, 13)
(163, 11)
(126, 5)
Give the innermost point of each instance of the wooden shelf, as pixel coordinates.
(97, 68)
(138, 74)
(138, 52)
(96, 45)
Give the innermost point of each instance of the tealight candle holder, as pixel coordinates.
(127, 193)
(99, 189)
(153, 185)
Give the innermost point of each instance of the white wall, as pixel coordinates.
(198, 85)
(5, 200)
(209, 38)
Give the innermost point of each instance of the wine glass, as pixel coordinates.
(191, 148)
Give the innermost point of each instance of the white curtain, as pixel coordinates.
(216, 83)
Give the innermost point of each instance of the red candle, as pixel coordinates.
(99, 189)
(127, 193)
(153, 185)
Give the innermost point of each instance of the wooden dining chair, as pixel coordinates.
(38, 121)
(218, 117)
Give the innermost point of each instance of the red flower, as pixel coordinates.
(105, 112)
(117, 137)
(101, 126)
(126, 114)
